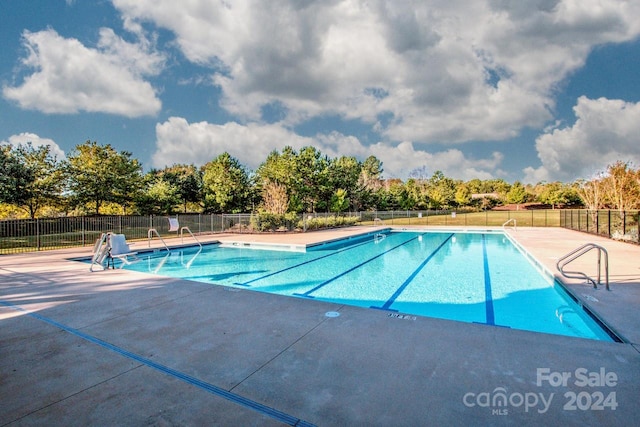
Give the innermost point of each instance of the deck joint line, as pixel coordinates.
(215, 390)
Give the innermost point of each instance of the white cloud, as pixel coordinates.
(179, 141)
(444, 71)
(400, 160)
(69, 77)
(605, 131)
(37, 141)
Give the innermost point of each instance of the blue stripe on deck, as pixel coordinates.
(487, 285)
(402, 287)
(235, 398)
(323, 284)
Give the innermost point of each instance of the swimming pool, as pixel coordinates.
(479, 277)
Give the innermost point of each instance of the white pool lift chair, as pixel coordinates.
(120, 249)
(110, 246)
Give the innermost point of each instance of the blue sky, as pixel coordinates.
(541, 90)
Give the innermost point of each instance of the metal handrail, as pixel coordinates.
(515, 224)
(192, 235)
(578, 252)
(150, 234)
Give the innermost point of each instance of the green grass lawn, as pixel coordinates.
(532, 218)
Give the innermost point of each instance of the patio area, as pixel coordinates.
(118, 347)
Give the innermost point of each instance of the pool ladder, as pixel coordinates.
(150, 234)
(578, 252)
(153, 231)
(515, 224)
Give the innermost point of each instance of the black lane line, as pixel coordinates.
(305, 262)
(402, 287)
(321, 285)
(487, 285)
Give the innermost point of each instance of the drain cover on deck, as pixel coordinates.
(332, 314)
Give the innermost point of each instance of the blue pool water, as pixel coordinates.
(471, 277)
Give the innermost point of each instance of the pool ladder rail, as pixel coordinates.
(577, 253)
(515, 224)
(174, 225)
(153, 231)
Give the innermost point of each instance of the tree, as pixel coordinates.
(369, 187)
(225, 185)
(159, 197)
(557, 193)
(463, 195)
(276, 172)
(591, 193)
(339, 201)
(14, 176)
(517, 193)
(311, 178)
(96, 174)
(441, 190)
(417, 192)
(188, 181)
(621, 189)
(343, 173)
(46, 182)
(274, 198)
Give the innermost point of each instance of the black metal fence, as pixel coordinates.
(26, 235)
(618, 225)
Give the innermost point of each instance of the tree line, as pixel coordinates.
(97, 179)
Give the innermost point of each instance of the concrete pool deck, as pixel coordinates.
(124, 348)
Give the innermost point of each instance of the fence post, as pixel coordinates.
(609, 223)
(587, 219)
(38, 233)
(580, 222)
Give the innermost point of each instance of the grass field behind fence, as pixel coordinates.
(532, 218)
